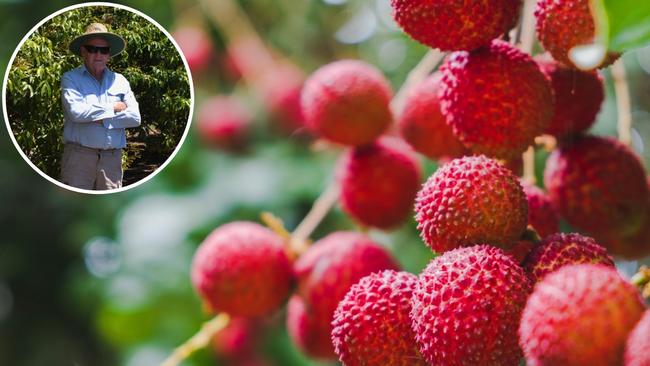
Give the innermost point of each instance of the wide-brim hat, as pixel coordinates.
(115, 42)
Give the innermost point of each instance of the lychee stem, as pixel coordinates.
(547, 142)
(199, 340)
(623, 105)
(642, 280)
(318, 211)
(531, 235)
(416, 75)
(526, 40)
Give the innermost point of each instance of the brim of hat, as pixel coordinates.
(115, 42)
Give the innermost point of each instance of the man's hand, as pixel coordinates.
(119, 107)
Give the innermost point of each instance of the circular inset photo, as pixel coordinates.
(98, 98)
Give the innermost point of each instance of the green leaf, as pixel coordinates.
(622, 25)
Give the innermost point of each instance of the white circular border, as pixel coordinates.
(6, 115)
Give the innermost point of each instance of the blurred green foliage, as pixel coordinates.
(150, 62)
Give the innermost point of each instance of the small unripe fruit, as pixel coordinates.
(579, 315)
(471, 200)
(372, 324)
(559, 250)
(347, 102)
(598, 185)
(379, 182)
(541, 213)
(637, 347)
(224, 122)
(467, 305)
(452, 25)
(564, 24)
(424, 127)
(325, 273)
(241, 268)
(496, 99)
(578, 97)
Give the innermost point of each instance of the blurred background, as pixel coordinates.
(104, 280)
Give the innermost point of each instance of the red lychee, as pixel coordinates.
(224, 122)
(471, 200)
(237, 339)
(564, 24)
(280, 92)
(559, 250)
(424, 127)
(496, 99)
(241, 268)
(520, 250)
(541, 213)
(467, 305)
(452, 25)
(379, 182)
(637, 347)
(579, 315)
(598, 185)
(578, 97)
(372, 325)
(347, 102)
(325, 274)
(196, 46)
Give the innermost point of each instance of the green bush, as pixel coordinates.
(150, 63)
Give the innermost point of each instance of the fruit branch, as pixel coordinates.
(198, 341)
(526, 40)
(318, 211)
(417, 74)
(623, 104)
(642, 280)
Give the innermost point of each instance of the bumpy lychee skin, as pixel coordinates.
(325, 274)
(347, 102)
(424, 127)
(467, 305)
(241, 268)
(579, 315)
(379, 183)
(598, 185)
(451, 25)
(559, 250)
(372, 325)
(496, 99)
(471, 200)
(637, 347)
(223, 122)
(558, 39)
(542, 216)
(578, 97)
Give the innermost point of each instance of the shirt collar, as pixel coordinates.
(84, 70)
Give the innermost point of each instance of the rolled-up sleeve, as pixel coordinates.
(128, 118)
(77, 109)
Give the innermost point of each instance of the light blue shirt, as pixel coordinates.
(87, 101)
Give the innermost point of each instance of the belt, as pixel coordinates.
(92, 149)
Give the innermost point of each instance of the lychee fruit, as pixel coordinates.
(423, 126)
(347, 102)
(372, 325)
(471, 200)
(598, 185)
(541, 213)
(559, 250)
(280, 92)
(196, 46)
(496, 99)
(579, 315)
(237, 339)
(520, 250)
(467, 305)
(578, 97)
(555, 34)
(224, 122)
(378, 183)
(325, 273)
(637, 347)
(452, 25)
(242, 269)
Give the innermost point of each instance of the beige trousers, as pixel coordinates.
(92, 169)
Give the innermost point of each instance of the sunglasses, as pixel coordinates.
(95, 49)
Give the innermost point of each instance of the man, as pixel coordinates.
(98, 105)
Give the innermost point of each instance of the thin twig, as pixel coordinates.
(428, 63)
(319, 210)
(623, 104)
(198, 341)
(642, 280)
(526, 39)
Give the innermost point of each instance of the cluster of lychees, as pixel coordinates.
(506, 285)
